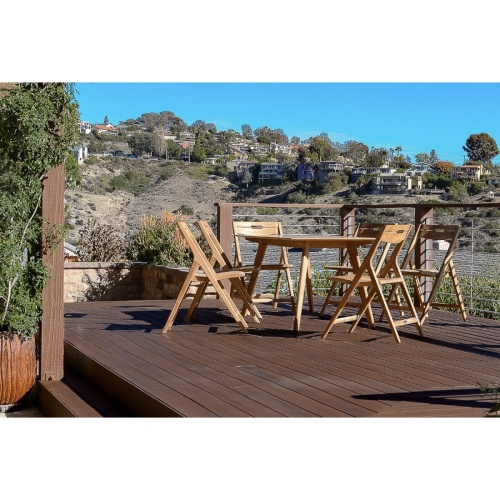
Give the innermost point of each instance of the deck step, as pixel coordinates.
(100, 400)
(57, 399)
(127, 397)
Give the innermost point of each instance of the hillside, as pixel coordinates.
(107, 194)
(123, 210)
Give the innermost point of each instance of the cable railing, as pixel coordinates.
(476, 255)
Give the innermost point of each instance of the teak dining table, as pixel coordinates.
(305, 242)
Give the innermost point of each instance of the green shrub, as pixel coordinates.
(159, 241)
(267, 211)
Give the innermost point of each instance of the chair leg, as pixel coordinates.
(290, 288)
(277, 290)
(328, 298)
(180, 297)
(196, 301)
(458, 293)
(248, 303)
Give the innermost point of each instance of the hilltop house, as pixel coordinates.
(270, 171)
(241, 169)
(80, 153)
(84, 127)
(106, 129)
(325, 168)
(421, 169)
(305, 172)
(396, 183)
(357, 172)
(469, 173)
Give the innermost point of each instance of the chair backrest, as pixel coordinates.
(216, 248)
(433, 232)
(386, 248)
(372, 230)
(252, 228)
(199, 256)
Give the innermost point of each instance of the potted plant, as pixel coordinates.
(38, 126)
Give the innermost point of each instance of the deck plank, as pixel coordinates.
(211, 369)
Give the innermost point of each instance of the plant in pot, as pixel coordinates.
(38, 126)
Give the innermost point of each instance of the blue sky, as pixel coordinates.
(418, 117)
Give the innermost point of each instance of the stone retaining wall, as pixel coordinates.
(91, 281)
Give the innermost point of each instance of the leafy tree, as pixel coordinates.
(142, 143)
(458, 193)
(433, 158)
(376, 158)
(320, 149)
(225, 139)
(481, 147)
(173, 149)
(246, 130)
(266, 135)
(433, 181)
(303, 155)
(295, 140)
(444, 167)
(422, 158)
(199, 154)
(356, 151)
(106, 120)
(38, 127)
(198, 127)
(247, 177)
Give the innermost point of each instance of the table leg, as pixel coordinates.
(259, 258)
(303, 274)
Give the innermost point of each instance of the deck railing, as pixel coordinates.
(475, 256)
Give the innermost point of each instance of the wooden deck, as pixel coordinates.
(210, 369)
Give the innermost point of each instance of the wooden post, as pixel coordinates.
(225, 233)
(225, 227)
(347, 220)
(52, 327)
(423, 251)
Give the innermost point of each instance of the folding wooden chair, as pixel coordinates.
(368, 229)
(372, 278)
(220, 258)
(436, 273)
(257, 228)
(203, 272)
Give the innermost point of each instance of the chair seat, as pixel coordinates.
(220, 275)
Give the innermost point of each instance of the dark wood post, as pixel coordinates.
(423, 251)
(347, 225)
(52, 327)
(225, 232)
(225, 227)
(347, 220)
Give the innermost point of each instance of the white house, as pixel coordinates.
(80, 153)
(84, 127)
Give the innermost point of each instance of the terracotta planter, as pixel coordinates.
(17, 368)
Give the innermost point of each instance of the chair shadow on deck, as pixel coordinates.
(470, 397)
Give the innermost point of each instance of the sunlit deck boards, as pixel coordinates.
(210, 369)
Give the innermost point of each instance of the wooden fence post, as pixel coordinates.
(52, 327)
(423, 250)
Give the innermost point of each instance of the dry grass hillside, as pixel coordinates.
(122, 209)
(117, 192)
